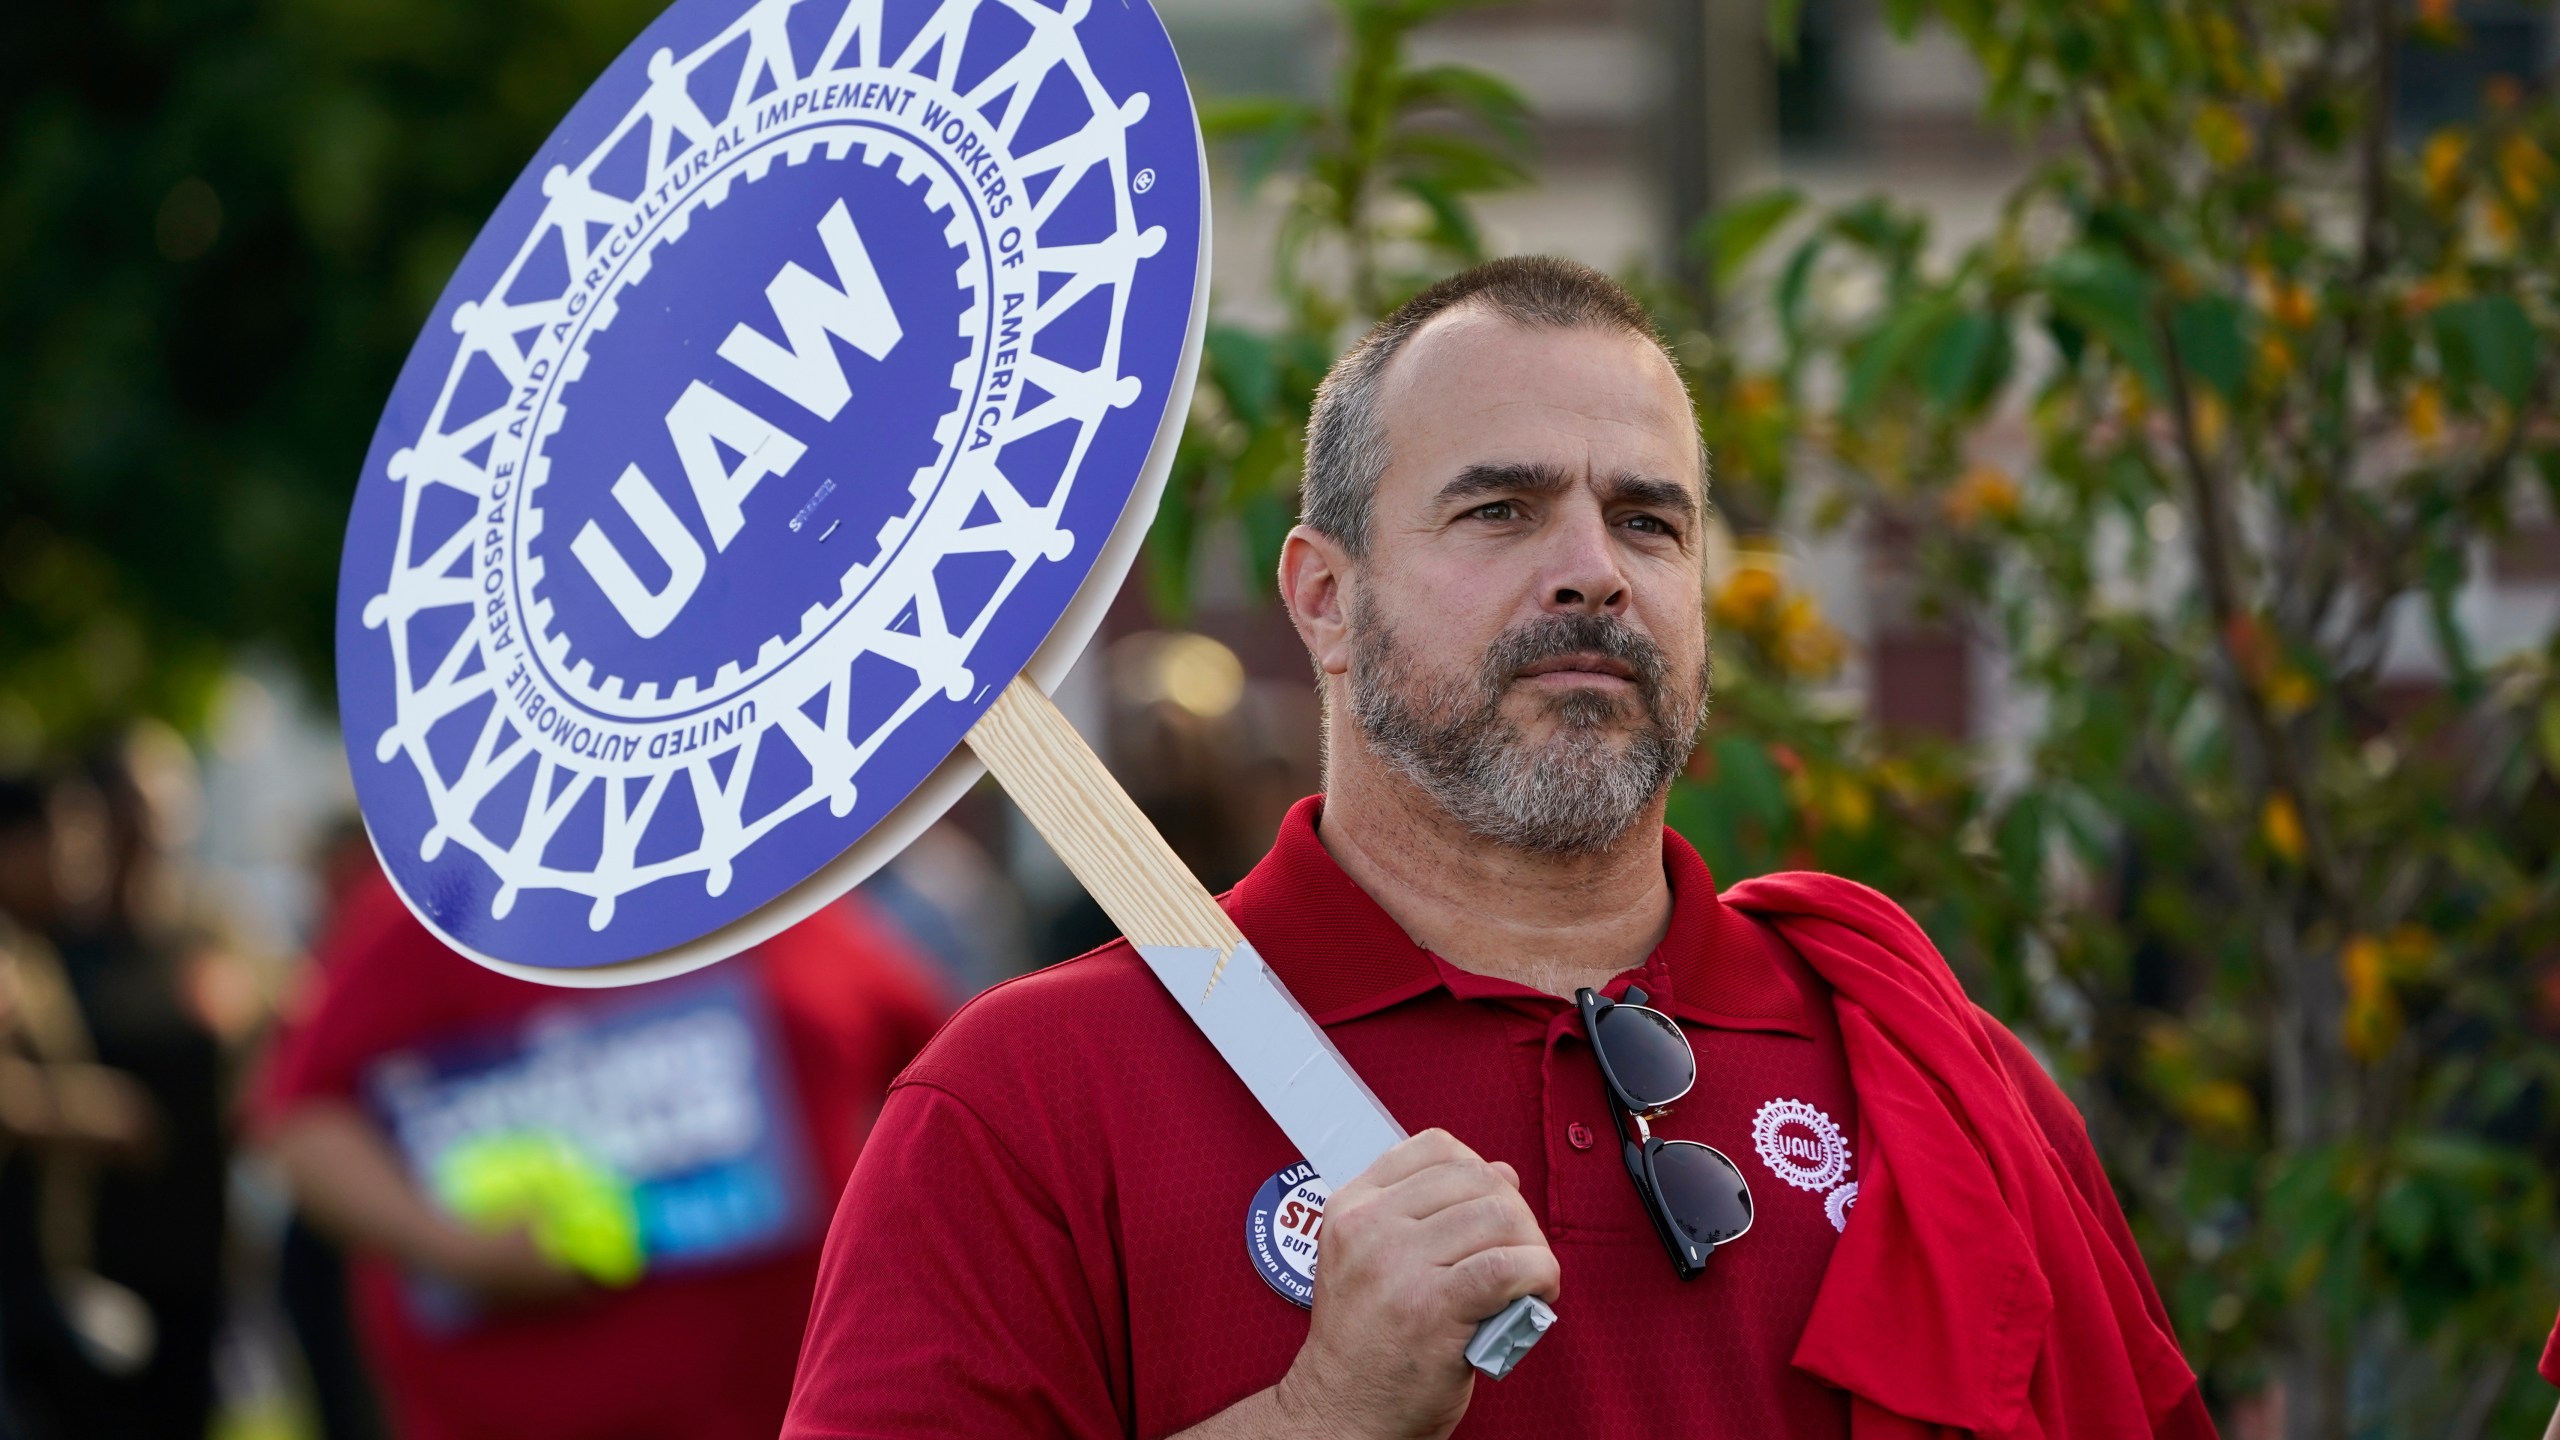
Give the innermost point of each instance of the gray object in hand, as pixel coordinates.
(1284, 1057)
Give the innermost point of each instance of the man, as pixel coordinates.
(731, 1103)
(1072, 1220)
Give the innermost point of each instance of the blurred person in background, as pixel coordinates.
(311, 1268)
(159, 1229)
(65, 1334)
(584, 1212)
(948, 896)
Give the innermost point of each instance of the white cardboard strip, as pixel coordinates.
(1338, 1124)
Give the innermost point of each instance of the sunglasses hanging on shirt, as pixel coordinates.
(1696, 1197)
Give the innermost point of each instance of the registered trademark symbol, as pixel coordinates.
(1143, 181)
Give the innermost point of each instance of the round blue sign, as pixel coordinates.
(818, 377)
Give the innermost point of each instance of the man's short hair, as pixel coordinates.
(1346, 445)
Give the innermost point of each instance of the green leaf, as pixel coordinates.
(1242, 364)
(1453, 226)
(1728, 237)
(1792, 282)
(1785, 18)
(2209, 336)
(2111, 301)
(1964, 350)
(1886, 353)
(1488, 97)
(2488, 338)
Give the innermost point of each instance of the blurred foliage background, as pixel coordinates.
(2285, 924)
(221, 222)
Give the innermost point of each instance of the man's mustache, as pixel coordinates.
(1552, 636)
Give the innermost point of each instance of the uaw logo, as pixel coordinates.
(1800, 1145)
(771, 426)
(1280, 1229)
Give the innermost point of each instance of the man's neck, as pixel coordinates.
(1550, 922)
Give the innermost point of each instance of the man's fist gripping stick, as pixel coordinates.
(1427, 1238)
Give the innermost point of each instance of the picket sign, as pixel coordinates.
(787, 429)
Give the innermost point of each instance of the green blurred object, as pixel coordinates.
(578, 1208)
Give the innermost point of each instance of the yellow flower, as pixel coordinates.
(2130, 398)
(2372, 1019)
(1756, 396)
(2290, 692)
(2500, 222)
(2223, 134)
(2424, 412)
(2210, 420)
(1806, 644)
(2410, 953)
(2441, 163)
(1746, 599)
(2294, 307)
(2281, 823)
(2223, 1106)
(1853, 807)
(2275, 359)
(1986, 491)
(2523, 169)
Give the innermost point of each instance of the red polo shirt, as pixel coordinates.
(700, 1355)
(1047, 1233)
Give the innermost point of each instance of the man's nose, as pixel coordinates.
(1582, 569)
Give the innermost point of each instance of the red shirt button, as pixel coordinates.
(1578, 1135)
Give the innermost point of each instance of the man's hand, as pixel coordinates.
(502, 1269)
(348, 1181)
(1426, 1243)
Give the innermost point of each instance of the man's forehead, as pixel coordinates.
(1473, 377)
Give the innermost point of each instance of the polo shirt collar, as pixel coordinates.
(1343, 956)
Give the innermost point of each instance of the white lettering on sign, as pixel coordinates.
(809, 310)
(805, 370)
(703, 416)
(645, 610)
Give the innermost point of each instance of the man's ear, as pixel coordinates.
(1314, 572)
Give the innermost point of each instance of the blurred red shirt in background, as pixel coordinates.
(702, 1353)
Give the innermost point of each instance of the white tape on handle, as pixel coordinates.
(1284, 1057)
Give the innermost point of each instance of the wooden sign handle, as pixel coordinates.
(1105, 840)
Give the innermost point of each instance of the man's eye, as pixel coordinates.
(1654, 524)
(1498, 510)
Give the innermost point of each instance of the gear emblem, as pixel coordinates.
(1800, 1145)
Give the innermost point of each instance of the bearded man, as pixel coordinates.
(1779, 1175)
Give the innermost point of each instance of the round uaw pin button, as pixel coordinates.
(1280, 1231)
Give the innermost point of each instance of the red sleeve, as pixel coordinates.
(2551, 1355)
(2068, 1133)
(954, 1297)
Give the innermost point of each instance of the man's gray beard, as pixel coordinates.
(1577, 793)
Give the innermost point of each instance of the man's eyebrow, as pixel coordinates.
(1531, 478)
(1500, 479)
(1650, 490)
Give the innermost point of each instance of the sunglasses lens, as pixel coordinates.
(1705, 1195)
(1648, 1054)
